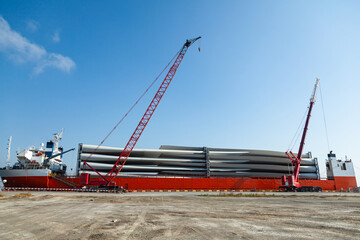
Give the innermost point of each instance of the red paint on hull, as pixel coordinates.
(31, 181)
(343, 183)
(184, 183)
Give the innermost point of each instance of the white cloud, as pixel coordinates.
(21, 50)
(56, 36)
(55, 60)
(32, 25)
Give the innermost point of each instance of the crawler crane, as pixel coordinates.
(291, 182)
(107, 181)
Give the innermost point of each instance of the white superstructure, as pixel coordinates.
(339, 168)
(48, 157)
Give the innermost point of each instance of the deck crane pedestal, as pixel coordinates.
(290, 183)
(107, 180)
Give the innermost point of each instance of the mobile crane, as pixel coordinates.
(290, 183)
(107, 181)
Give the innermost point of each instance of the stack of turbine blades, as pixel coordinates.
(193, 161)
(122, 173)
(262, 167)
(153, 153)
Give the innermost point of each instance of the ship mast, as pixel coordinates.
(8, 154)
(58, 137)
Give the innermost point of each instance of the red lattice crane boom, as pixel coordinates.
(291, 182)
(146, 117)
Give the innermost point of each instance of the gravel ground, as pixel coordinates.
(52, 215)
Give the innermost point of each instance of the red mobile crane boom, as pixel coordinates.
(291, 182)
(108, 178)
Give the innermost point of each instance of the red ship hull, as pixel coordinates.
(150, 183)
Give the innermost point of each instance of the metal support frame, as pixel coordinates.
(317, 168)
(207, 161)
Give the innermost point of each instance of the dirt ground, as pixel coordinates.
(47, 215)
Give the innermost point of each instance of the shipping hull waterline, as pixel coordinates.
(181, 183)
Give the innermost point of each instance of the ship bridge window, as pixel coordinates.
(343, 166)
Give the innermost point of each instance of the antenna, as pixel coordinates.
(58, 136)
(8, 153)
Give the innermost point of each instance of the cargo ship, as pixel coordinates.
(202, 168)
(34, 165)
(174, 168)
(177, 168)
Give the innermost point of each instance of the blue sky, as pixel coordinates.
(80, 65)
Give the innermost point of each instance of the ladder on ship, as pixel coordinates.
(64, 181)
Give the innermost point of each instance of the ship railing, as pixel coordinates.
(184, 176)
(196, 176)
(65, 176)
(30, 166)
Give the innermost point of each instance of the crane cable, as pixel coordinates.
(326, 130)
(297, 133)
(127, 113)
